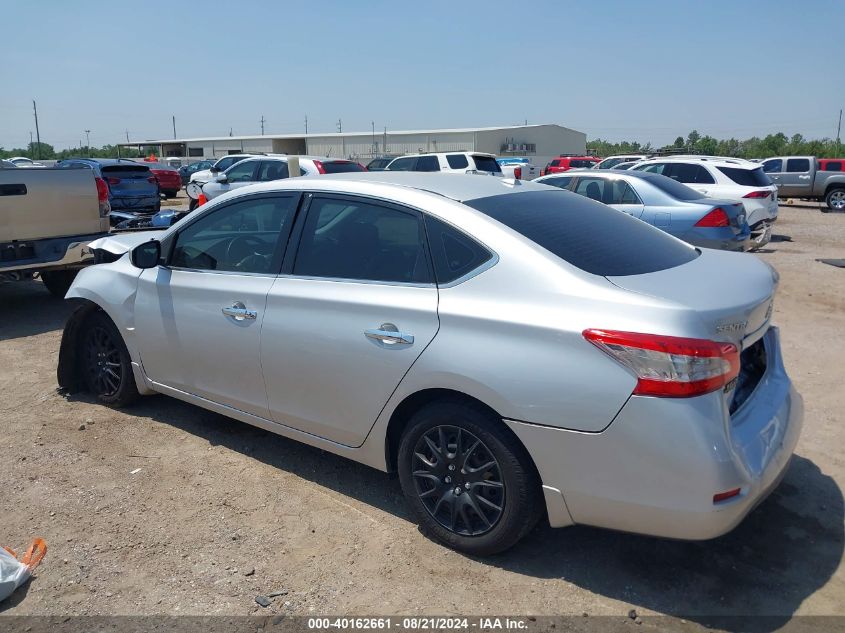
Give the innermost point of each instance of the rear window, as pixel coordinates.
(833, 165)
(127, 171)
(798, 165)
(587, 234)
(487, 163)
(747, 177)
(341, 167)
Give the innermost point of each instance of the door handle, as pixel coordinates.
(389, 334)
(807, 177)
(239, 312)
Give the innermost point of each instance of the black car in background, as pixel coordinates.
(185, 171)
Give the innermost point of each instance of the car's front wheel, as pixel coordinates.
(469, 481)
(105, 362)
(835, 200)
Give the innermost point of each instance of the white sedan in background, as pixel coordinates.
(268, 168)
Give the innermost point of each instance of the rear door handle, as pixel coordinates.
(389, 334)
(239, 312)
(804, 177)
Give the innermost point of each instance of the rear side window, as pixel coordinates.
(833, 165)
(457, 161)
(341, 167)
(747, 177)
(428, 163)
(797, 165)
(689, 173)
(454, 253)
(588, 235)
(487, 163)
(403, 164)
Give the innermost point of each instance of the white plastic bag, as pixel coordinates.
(14, 572)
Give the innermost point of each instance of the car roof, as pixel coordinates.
(459, 187)
(106, 161)
(716, 161)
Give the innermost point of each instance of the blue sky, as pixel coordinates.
(647, 70)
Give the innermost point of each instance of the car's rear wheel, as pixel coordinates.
(469, 481)
(835, 200)
(58, 282)
(105, 362)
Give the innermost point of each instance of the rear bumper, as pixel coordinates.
(58, 252)
(134, 204)
(722, 239)
(655, 469)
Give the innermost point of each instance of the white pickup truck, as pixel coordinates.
(519, 168)
(47, 218)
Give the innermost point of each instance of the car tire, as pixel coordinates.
(835, 200)
(478, 512)
(58, 282)
(105, 363)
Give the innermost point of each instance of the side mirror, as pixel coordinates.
(222, 178)
(146, 255)
(214, 169)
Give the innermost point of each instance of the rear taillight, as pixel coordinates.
(152, 179)
(717, 217)
(102, 190)
(517, 173)
(758, 194)
(670, 366)
(112, 180)
(319, 165)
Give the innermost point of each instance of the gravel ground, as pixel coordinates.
(165, 508)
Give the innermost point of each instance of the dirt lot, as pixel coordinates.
(220, 512)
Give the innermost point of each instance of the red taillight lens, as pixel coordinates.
(758, 194)
(717, 217)
(724, 496)
(102, 190)
(319, 165)
(670, 366)
(112, 180)
(152, 179)
(517, 173)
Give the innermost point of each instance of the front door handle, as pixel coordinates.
(239, 312)
(389, 334)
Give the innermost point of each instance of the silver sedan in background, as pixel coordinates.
(513, 350)
(665, 203)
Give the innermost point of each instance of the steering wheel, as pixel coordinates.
(242, 246)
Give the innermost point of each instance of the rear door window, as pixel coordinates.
(591, 236)
(272, 170)
(592, 188)
(688, 173)
(457, 161)
(428, 163)
(797, 165)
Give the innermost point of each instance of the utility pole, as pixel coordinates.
(339, 126)
(230, 131)
(306, 124)
(174, 127)
(262, 125)
(88, 142)
(838, 130)
(37, 133)
(31, 147)
(373, 123)
(127, 136)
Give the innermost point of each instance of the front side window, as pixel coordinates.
(241, 237)
(403, 164)
(558, 181)
(457, 161)
(454, 253)
(774, 166)
(242, 172)
(798, 165)
(359, 239)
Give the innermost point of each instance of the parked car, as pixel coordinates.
(267, 168)
(612, 162)
(726, 179)
(169, 181)
(565, 162)
(626, 165)
(23, 161)
(448, 162)
(513, 351)
(801, 177)
(47, 219)
(831, 164)
(200, 177)
(132, 188)
(664, 203)
(185, 171)
(519, 168)
(380, 163)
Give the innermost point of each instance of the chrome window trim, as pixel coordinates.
(370, 282)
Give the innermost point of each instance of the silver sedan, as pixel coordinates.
(513, 350)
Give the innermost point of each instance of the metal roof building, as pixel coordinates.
(539, 142)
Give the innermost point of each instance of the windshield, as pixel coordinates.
(585, 233)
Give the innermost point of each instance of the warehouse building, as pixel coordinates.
(540, 143)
